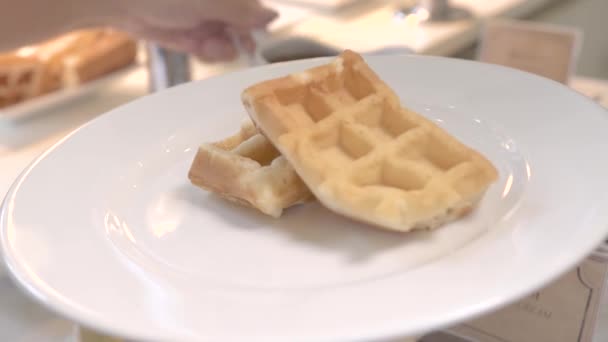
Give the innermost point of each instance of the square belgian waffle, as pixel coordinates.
(361, 153)
(61, 62)
(245, 168)
(20, 79)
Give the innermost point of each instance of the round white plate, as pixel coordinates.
(106, 229)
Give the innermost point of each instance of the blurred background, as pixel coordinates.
(33, 115)
(305, 28)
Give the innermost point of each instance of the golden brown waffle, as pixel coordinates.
(19, 79)
(245, 168)
(64, 61)
(96, 54)
(363, 155)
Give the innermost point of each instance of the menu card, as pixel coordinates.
(546, 50)
(564, 311)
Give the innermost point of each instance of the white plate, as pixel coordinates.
(106, 229)
(36, 106)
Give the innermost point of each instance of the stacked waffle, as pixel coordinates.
(339, 134)
(65, 61)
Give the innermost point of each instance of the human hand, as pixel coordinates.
(199, 27)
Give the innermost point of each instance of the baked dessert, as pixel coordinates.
(95, 54)
(246, 169)
(20, 78)
(66, 61)
(361, 153)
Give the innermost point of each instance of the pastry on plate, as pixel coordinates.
(20, 79)
(62, 62)
(245, 168)
(361, 153)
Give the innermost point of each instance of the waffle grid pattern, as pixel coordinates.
(18, 82)
(245, 168)
(361, 153)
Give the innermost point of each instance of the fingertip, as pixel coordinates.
(217, 49)
(266, 16)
